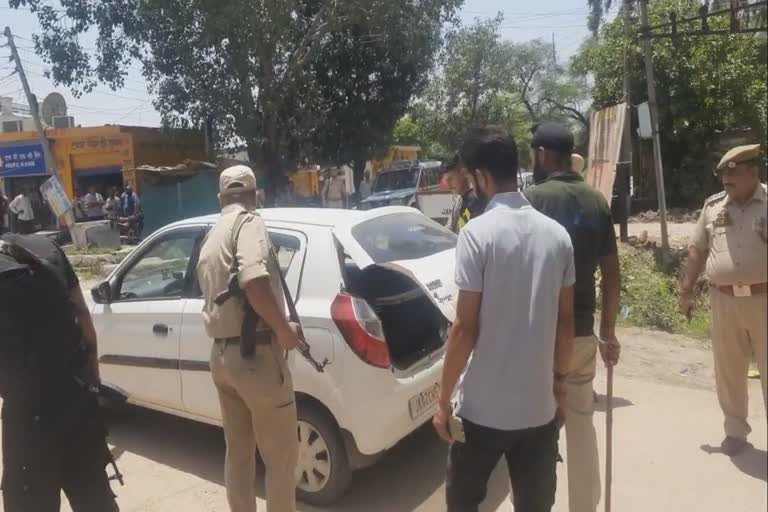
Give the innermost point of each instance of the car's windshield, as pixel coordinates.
(396, 180)
(402, 236)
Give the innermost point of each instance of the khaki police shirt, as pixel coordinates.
(335, 189)
(252, 254)
(734, 237)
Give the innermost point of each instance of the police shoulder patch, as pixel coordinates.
(715, 198)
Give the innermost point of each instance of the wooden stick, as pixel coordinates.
(609, 440)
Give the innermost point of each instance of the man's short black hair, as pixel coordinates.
(454, 164)
(491, 148)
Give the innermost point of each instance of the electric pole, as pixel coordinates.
(625, 192)
(50, 162)
(32, 101)
(554, 51)
(654, 111)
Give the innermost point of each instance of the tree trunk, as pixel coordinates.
(358, 169)
(272, 167)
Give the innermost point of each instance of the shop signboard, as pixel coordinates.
(54, 194)
(25, 159)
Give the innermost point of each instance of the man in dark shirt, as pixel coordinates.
(467, 204)
(52, 436)
(4, 202)
(562, 195)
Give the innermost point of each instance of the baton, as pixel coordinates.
(609, 440)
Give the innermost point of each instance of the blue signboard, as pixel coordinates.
(26, 159)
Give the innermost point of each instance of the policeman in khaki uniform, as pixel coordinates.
(334, 194)
(255, 391)
(731, 240)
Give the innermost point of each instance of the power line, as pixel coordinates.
(12, 93)
(544, 27)
(105, 93)
(132, 111)
(125, 79)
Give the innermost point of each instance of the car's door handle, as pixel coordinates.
(161, 329)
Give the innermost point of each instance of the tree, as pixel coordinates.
(705, 85)
(303, 78)
(597, 10)
(484, 80)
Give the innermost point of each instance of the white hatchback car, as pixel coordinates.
(375, 294)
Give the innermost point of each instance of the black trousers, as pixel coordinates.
(44, 454)
(531, 455)
(25, 227)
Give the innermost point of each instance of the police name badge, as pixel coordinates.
(760, 226)
(723, 219)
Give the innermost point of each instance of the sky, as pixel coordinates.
(132, 105)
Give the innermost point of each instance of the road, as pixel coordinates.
(666, 421)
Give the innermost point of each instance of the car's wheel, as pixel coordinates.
(323, 473)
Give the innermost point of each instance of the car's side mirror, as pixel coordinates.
(102, 294)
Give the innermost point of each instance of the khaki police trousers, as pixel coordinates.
(738, 334)
(334, 203)
(581, 439)
(258, 410)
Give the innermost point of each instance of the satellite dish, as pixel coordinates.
(53, 105)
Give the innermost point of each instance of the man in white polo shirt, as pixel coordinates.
(512, 338)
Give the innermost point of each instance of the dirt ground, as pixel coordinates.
(679, 233)
(667, 425)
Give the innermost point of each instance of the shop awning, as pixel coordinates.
(98, 171)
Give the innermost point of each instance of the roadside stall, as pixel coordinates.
(170, 194)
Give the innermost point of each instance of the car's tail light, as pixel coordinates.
(361, 329)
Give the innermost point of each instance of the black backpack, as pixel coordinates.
(40, 340)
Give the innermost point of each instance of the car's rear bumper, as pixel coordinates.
(385, 418)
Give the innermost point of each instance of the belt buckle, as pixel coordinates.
(742, 290)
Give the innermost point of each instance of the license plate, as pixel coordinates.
(424, 401)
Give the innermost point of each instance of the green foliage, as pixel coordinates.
(86, 274)
(91, 251)
(407, 132)
(705, 85)
(650, 295)
(319, 79)
(597, 8)
(484, 80)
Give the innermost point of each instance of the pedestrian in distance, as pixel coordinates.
(21, 207)
(562, 195)
(94, 204)
(112, 205)
(129, 202)
(244, 315)
(466, 205)
(4, 202)
(54, 438)
(730, 241)
(365, 186)
(511, 340)
(334, 194)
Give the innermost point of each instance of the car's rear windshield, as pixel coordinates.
(402, 236)
(396, 180)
